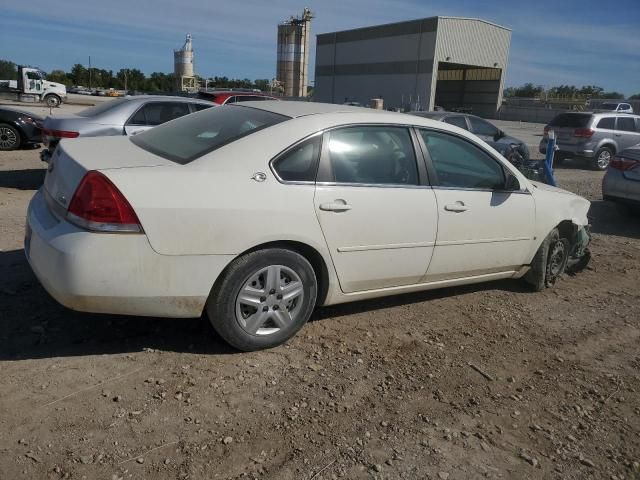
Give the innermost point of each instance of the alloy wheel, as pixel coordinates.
(603, 159)
(8, 138)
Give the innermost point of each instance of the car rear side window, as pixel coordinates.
(457, 121)
(195, 135)
(571, 120)
(299, 163)
(201, 106)
(373, 156)
(626, 124)
(480, 127)
(607, 123)
(460, 164)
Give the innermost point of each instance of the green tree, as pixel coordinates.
(8, 70)
(635, 97)
(59, 76)
(79, 75)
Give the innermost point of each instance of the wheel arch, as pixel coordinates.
(608, 144)
(311, 254)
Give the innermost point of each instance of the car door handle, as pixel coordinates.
(457, 207)
(335, 206)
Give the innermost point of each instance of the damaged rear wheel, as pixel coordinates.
(549, 263)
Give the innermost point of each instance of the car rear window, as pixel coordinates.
(192, 136)
(571, 120)
(103, 107)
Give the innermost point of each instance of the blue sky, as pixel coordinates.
(554, 42)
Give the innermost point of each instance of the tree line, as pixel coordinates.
(128, 79)
(529, 90)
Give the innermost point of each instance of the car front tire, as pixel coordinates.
(549, 263)
(263, 299)
(52, 100)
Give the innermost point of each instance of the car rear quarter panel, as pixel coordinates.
(213, 206)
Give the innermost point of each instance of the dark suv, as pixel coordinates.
(594, 137)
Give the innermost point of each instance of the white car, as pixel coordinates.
(256, 213)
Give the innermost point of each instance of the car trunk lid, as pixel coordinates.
(73, 159)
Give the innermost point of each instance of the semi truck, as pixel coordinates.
(32, 86)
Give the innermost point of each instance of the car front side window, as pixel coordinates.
(460, 164)
(372, 155)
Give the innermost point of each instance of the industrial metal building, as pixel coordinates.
(454, 63)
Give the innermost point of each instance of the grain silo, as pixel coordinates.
(183, 67)
(293, 54)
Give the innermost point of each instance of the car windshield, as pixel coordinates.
(571, 120)
(192, 136)
(103, 107)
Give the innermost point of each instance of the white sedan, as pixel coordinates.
(256, 213)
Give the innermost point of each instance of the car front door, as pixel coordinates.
(484, 225)
(154, 113)
(627, 134)
(376, 211)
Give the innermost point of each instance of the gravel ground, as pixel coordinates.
(482, 381)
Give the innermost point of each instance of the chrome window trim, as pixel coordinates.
(374, 185)
(521, 191)
(287, 150)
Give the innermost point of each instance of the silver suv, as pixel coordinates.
(594, 137)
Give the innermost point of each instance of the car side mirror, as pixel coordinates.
(499, 134)
(511, 183)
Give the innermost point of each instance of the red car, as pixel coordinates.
(223, 97)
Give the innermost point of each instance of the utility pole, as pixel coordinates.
(89, 72)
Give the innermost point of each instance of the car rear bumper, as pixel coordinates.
(115, 273)
(569, 150)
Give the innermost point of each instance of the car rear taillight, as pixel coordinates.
(61, 133)
(583, 133)
(99, 206)
(622, 163)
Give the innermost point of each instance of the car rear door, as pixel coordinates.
(627, 134)
(376, 210)
(482, 227)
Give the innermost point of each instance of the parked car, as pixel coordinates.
(619, 107)
(222, 97)
(18, 128)
(621, 183)
(259, 212)
(592, 137)
(481, 128)
(124, 116)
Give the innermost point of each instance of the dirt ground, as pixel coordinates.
(380, 389)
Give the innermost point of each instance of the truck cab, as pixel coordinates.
(32, 81)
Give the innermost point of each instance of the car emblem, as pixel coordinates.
(62, 199)
(259, 176)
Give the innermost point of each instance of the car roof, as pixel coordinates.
(296, 109)
(165, 98)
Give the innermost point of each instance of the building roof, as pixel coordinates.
(417, 24)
